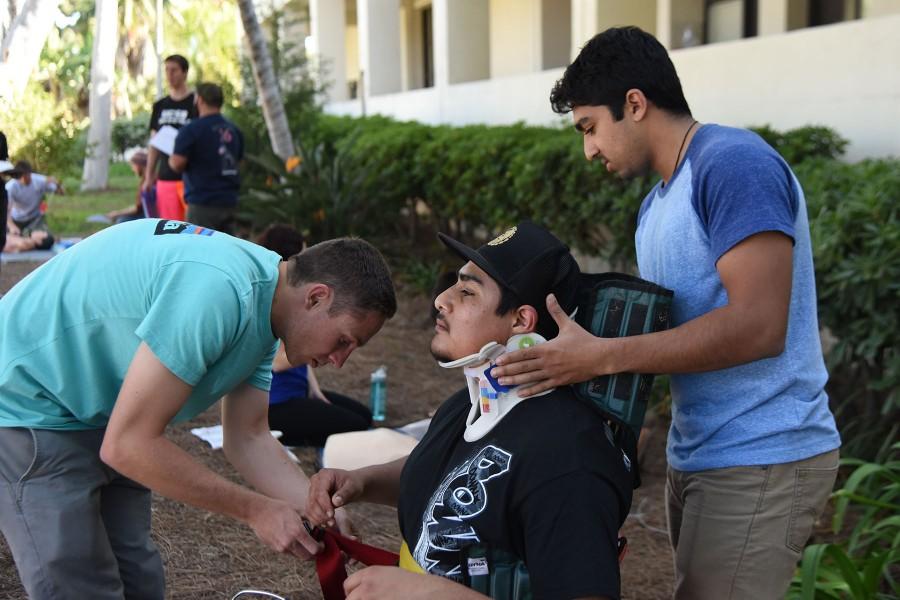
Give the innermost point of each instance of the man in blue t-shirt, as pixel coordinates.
(143, 324)
(752, 448)
(208, 151)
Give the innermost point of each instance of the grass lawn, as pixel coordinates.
(67, 214)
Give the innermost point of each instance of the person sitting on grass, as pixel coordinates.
(26, 195)
(500, 490)
(138, 164)
(297, 405)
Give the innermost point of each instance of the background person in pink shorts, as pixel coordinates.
(176, 110)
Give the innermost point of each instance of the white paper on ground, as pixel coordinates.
(164, 140)
(213, 435)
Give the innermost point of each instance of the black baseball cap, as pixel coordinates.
(530, 262)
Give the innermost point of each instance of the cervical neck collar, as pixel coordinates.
(490, 400)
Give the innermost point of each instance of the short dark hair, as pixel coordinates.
(508, 301)
(178, 60)
(354, 269)
(612, 63)
(22, 168)
(546, 325)
(211, 93)
(283, 239)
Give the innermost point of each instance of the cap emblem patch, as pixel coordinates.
(503, 237)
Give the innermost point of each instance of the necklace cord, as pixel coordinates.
(681, 148)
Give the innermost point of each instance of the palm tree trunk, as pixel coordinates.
(21, 47)
(103, 61)
(8, 12)
(266, 84)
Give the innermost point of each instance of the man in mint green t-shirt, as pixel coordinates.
(143, 324)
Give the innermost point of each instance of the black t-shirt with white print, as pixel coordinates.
(546, 484)
(175, 113)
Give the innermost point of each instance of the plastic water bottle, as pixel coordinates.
(378, 393)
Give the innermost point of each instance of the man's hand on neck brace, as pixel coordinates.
(490, 400)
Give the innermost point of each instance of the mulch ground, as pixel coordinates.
(210, 556)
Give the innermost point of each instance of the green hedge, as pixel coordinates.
(494, 176)
(489, 176)
(130, 133)
(855, 225)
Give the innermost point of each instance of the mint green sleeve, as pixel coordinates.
(194, 316)
(262, 377)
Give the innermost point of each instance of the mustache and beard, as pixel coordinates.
(437, 354)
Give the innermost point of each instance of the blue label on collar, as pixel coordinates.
(494, 383)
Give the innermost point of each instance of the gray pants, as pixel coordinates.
(77, 528)
(220, 218)
(737, 533)
(38, 223)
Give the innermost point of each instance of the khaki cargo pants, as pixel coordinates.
(738, 532)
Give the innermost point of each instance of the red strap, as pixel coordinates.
(330, 562)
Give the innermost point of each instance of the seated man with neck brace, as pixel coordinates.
(538, 480)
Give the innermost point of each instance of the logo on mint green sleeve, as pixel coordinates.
(166, 226)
